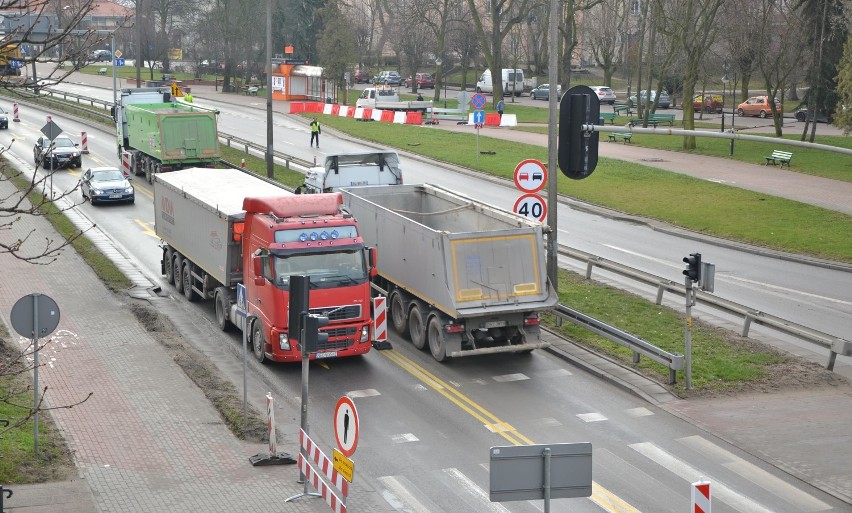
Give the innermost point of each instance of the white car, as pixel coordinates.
(605, 94)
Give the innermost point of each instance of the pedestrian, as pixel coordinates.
(187, 98)
(419, 97)
(315, 132)
(500, 108)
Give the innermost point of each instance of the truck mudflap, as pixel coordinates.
(518, 348)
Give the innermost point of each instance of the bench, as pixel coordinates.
(624, 136)
(251, 91)
(641, 121)
(608, 116)
(101, 71)
(662, 118)
(782, 157)
(619, 109)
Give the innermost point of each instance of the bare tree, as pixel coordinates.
(336, 44)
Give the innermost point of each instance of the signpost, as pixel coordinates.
(530, 177)
(531, 205)
(346, 426)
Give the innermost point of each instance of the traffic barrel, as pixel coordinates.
(85, 138)
(15, 113)
(49, 118)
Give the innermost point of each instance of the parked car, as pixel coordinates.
(708, 103)
(424, 81)
(62, 152)
(821, 116)
(542, 92)
(388, 78)
(665, 102)
(101, 55)
(605, 94)
(361, 76)
(758, 106)
(106, 184)
(4, 119)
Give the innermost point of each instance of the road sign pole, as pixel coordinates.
(35, 372)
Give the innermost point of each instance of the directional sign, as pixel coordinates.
(478, 117)
(119, 61)
(343, 465)
(531, 205)
(346, 426)
(17, 63)
(530, 176)
(51, 130)
(478, 101)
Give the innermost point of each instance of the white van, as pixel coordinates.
(513, 82)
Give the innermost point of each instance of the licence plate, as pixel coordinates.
(115, 195)
(327, 354)
(495, 324)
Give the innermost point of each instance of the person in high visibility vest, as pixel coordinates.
(315, 132)
(187, 97)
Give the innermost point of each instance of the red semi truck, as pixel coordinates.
(237, 238)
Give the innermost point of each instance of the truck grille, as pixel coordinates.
(338, 313)
(341, 343)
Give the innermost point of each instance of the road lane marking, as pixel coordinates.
(591, 417)
(397, 494)
(146, 228)
(478, 493)
(600, 495)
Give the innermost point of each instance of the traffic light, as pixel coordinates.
(693, 266)
(578, 149)
(313, 336)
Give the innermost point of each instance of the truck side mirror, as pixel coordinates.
(112, 112)
(372, 260)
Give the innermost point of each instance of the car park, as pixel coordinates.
(388, 78)
(542, 92)
(605, 94)
(758, 106)
(709, 103)
(106, 184)
(424, 81)
(664, 103)
(4, 118)
(59, 153)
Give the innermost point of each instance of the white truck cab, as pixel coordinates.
(352, 170)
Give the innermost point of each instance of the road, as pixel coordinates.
(427, 428)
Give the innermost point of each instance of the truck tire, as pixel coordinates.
(437, 344)
(417, 327)
(149, 172)
(188, 293)
(399, 317)
(177, 262)
(258, 344)
(168, 266)
(223, 304)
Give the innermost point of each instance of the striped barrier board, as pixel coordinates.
(380, 328)
(337, 506)
(85, 143)
(270, 426)
(324, 463)
(700, 497)
(125, 164)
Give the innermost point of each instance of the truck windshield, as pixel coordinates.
(326, 270)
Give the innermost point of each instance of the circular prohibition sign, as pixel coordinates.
(531, 205)
(346, 426)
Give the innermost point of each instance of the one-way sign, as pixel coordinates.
(51, 130)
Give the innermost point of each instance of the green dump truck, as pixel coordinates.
(158, 133)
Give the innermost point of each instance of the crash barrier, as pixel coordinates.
(494, 119)
(250, 148)
(387, 116)
(448, 114)
(835, 345)
(674, 361)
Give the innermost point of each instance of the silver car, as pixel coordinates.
(665, 102)
(605, 94)
(106, 184)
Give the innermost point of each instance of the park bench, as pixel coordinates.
(622, 109)
(662, 118)
(782, 157)
(608, 116)
(251, 91)
(624, 136)
(101, 71)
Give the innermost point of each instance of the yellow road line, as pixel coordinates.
(600, 495)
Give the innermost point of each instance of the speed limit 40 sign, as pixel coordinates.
(531, 205)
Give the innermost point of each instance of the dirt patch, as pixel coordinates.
(221, 392)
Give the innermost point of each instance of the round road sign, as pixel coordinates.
(530, 176)
(531, 205)
(26, 309)
(478, 101)
(346, 426)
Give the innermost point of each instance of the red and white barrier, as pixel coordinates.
(85, 143)
(380, 328)
(700, 497)
(337, 506)
(49, 118)
(126, 162)
(15, 116)
(326, 468)
(243, 163)
(270, 426)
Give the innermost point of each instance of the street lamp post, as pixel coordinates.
(725, 80)
(439, 61)
(733, 109)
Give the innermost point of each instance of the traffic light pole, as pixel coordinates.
(552, 186)
(690, 300)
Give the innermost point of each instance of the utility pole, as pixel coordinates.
(138, 28)
(552, 189)
(270, 166)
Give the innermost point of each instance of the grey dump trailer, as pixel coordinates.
(462, 276)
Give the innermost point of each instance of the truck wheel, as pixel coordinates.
(168, 266)
(398, 313)
(417, 328)
(178, 272)
(149, 173)
(188, 293)
(220, 297)
(258, 345)
(436, 339)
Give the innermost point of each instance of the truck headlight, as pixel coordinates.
(365, 333)
(283, 342)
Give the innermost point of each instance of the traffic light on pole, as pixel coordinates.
(693, 266)
(313, 336)
(578, 149)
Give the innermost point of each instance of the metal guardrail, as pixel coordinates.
(834, 344)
